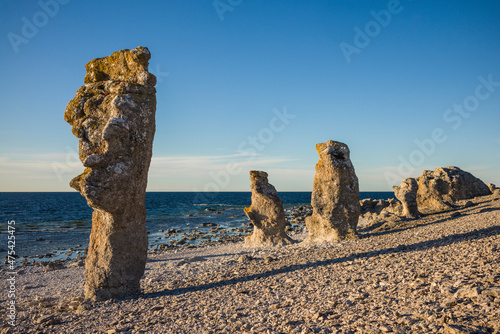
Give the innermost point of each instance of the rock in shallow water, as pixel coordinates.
(114, 117)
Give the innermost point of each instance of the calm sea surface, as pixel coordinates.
(55, 222)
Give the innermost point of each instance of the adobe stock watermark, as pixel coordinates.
(30, 26)
(71, 164)
(453, 117)
(372, 29)
(223, 6)
(248, 149)
(160, 76)
(12, 273)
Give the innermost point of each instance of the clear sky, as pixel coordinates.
(407, 85)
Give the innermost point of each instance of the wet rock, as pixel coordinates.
(406, 192)
(335, 196)
(114, 117)
(266, 213)
(438, 190)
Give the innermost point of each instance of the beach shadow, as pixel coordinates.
(190, 258)
(404, 228)
(442, 242)
(488, 209)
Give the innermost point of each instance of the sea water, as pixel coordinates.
(54, 222)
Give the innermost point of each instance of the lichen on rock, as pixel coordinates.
(335, 196)
(266, 213)
(113, 115)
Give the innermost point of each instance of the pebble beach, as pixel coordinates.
(436, 274)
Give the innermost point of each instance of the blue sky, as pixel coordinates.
(408, 86)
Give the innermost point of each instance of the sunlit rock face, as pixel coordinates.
(439, 189)
(113, 115)
(406, 192)
(335, 196)
(266, 213)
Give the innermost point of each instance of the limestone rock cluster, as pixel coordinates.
(432, 192)
(113, 115)
(439, 189)
(335, 195)
(374, 211)
(266, 213)
(335, 202)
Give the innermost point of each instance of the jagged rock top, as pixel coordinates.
(336, 152)
(118, 91)
(124, 65)
(260, 184)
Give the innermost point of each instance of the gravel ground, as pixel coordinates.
(437, 274)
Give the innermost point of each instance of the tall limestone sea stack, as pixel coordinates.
(114, 117)
(266, 213)
(335, 196)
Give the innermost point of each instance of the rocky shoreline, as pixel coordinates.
(436, 274)
(207, 235)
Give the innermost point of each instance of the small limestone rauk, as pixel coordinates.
(266, 213)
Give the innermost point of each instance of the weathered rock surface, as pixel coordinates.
(439, 189)
(406, 192)
(335, 196)
(266, 213)
(114, 117)
(375, 212)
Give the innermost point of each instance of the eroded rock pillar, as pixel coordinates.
(335, 196)
(113, 115)
(266, 213)
(406, 193)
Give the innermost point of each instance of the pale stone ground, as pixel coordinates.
(438, 274)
